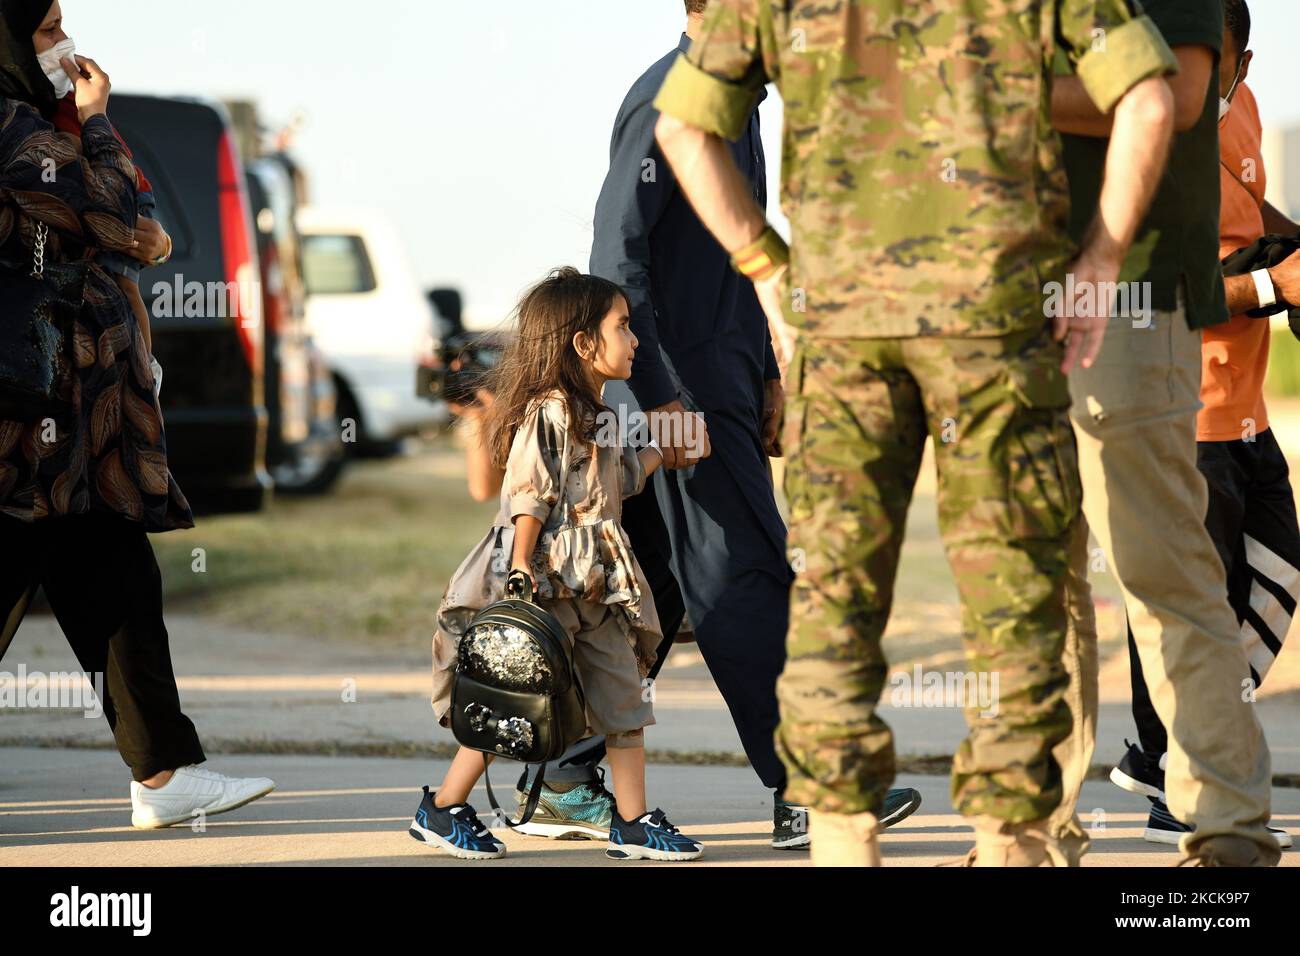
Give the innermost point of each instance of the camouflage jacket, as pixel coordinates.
(921, 174)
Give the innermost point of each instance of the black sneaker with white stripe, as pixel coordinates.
(790, 822)
(1163, 827)
(1141, 773)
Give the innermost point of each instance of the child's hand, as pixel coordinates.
(520, 585)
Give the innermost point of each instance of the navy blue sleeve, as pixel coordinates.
(632, 200)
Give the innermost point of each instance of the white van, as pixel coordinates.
(367, 313)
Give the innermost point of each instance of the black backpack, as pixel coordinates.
(515, 693)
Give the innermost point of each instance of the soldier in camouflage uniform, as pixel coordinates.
(928, 208)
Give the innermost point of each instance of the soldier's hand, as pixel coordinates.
(771, 296)
(1083, 330)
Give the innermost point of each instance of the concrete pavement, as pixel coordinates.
(251, 692)
(71, 808)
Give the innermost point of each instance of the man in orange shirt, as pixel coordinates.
(1252, 514)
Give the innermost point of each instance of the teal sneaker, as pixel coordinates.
(583, 813)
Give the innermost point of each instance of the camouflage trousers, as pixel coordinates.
(857, 417)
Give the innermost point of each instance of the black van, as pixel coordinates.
(205, 305)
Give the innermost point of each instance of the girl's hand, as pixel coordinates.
(91, 85)
(520, 585)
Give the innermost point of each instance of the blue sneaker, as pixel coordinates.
(582, 813)
(650, 837)
(456, 830)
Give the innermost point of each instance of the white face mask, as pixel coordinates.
(1225, 102)
(52, 66)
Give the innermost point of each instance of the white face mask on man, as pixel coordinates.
(1225, 102)
(52, 65)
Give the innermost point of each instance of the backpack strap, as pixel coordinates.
(530, 807)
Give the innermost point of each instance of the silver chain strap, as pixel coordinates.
(38, 259)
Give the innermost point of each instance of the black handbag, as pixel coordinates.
(515, 692)
(37, 312)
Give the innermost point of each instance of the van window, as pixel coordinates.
(336, 265)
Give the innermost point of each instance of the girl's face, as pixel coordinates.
(612, 356)
(50, 33)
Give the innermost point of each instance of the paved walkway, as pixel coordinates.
(70, 808)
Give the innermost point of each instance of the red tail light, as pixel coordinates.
(237, 252)
(274, 302)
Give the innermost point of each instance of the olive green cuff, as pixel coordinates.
(1134, 51)
(700, 99)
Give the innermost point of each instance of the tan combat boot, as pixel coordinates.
(998, 843)
(844, 839)
(1228, 850)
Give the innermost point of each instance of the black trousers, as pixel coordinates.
(1252, 519)
(645, 528)
(103, 584)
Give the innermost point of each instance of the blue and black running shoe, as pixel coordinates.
(650, 837)
(456, 830)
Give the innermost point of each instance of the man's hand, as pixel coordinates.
(475, 410)
(683, 436)
(1286, 280)
(152, 241)
(1083, 333)
(773, 413)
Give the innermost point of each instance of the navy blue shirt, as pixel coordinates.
(700, 326)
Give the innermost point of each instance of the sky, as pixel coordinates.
(480, 126)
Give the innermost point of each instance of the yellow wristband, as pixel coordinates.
(763, 257)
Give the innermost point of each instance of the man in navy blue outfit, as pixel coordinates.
(704, 347)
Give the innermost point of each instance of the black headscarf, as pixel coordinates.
(21, 76)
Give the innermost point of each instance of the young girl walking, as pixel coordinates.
(562, 531)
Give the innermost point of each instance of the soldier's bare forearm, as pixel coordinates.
(1135, 163)
(708, 176)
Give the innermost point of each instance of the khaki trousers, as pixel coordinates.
(1135, 420)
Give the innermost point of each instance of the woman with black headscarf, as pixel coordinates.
(81, 485)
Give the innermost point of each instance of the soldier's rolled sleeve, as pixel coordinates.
(1134, 51)
(715, 85)
(706, 102)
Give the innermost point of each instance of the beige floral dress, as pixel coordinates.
(583, 555)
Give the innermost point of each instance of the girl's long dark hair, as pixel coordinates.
(541, 358)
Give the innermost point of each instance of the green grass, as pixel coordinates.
(1284, 365)
(368, 562)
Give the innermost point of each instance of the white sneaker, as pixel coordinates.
(192, 790)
